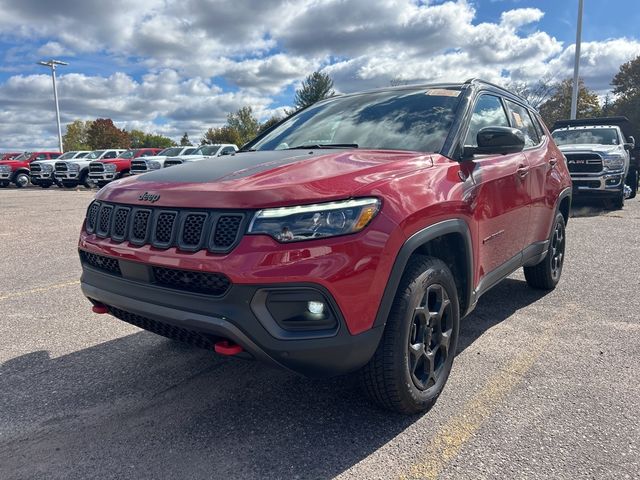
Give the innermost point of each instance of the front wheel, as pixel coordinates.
(546, 274)
(412, 363)
(21, 180)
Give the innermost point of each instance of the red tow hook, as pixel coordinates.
(100, 308)
(226, 347)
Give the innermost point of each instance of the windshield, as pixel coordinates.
(600, 136)
(417, 120)
(66, 156)
(23, 156)
(171, 152)
(207, 150)
(95, 154)
(127, 154)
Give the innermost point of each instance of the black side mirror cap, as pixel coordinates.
(496, 141)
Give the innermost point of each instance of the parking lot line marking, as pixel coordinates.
(450, 439)
(40, 289)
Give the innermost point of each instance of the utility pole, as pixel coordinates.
(576, 65)
(52, 64)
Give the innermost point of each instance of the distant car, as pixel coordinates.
(42, 170)
(145, 164)
(17, 170)
(9, 155)
(71, 173)
(104, 171)
(202, 153)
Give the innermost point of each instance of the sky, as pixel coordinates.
(169, 66)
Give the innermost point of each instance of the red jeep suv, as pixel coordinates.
(353, 235)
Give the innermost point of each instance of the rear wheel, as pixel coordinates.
(21, 180)
(546, 274)
(413, 361)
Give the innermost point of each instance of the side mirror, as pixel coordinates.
(631, 143)
(500, 140)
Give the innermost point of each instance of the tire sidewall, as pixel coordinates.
(433, 275)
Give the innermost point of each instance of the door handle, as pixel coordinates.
(553, 161)
(523, 171)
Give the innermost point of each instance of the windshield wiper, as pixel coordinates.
(323, 145)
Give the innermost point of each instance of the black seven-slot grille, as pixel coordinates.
(96, 167)
(209, 283)
(35, 167)
(188, 230)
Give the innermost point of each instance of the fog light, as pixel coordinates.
(315, 307)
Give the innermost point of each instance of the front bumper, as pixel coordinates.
(606, 184)
(5, 176)
(102, 177)
(238, 316)
(42, 177)
(67, 175)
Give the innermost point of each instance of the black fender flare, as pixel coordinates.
(409, 247)
(567, 192)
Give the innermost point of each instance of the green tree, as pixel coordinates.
(269, 123)
(140, 139)
(184, 141)
(76, 136)
(104, 134)
(224, 134)
(315, 87)
(626, 85)
(244, 123)
(153, 140)
(558, 106)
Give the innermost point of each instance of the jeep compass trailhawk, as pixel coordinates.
(353, 235)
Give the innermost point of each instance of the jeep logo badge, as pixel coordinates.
(149, 197)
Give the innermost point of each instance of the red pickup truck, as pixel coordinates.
(17, 170)
(105, 170)
(352, 236)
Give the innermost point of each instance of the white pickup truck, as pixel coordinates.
(202, 153)
(146, 164)
(598, 155)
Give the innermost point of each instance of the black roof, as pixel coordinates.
(622, 122)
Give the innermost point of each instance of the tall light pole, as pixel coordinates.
(576, 65)
(52, 64)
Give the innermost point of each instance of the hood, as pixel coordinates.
(590, 147)
(267, 178)
(13, 164)
(190, 157)
(153, 157)
(47, 162)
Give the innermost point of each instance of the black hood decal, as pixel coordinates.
(231, 167)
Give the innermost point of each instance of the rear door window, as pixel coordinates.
(521, 120)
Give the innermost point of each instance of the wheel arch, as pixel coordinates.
(444, 240)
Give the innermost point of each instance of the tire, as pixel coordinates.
(102, 184)
(546, 274)
(69, 184)
(45, 185)
(4, 184)
(21, 180)
(85, 181)
(632, 181)
(617, 202)
(410, 368)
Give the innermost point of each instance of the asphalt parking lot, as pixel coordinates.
(544, 385)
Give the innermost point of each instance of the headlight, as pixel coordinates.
(73, 167)
(109, 167)
(309, 222)
(45, 167)
(5, 169)
(154, 165)
(613, 162)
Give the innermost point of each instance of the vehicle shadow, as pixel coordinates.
(586, 208)
(146, 407)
